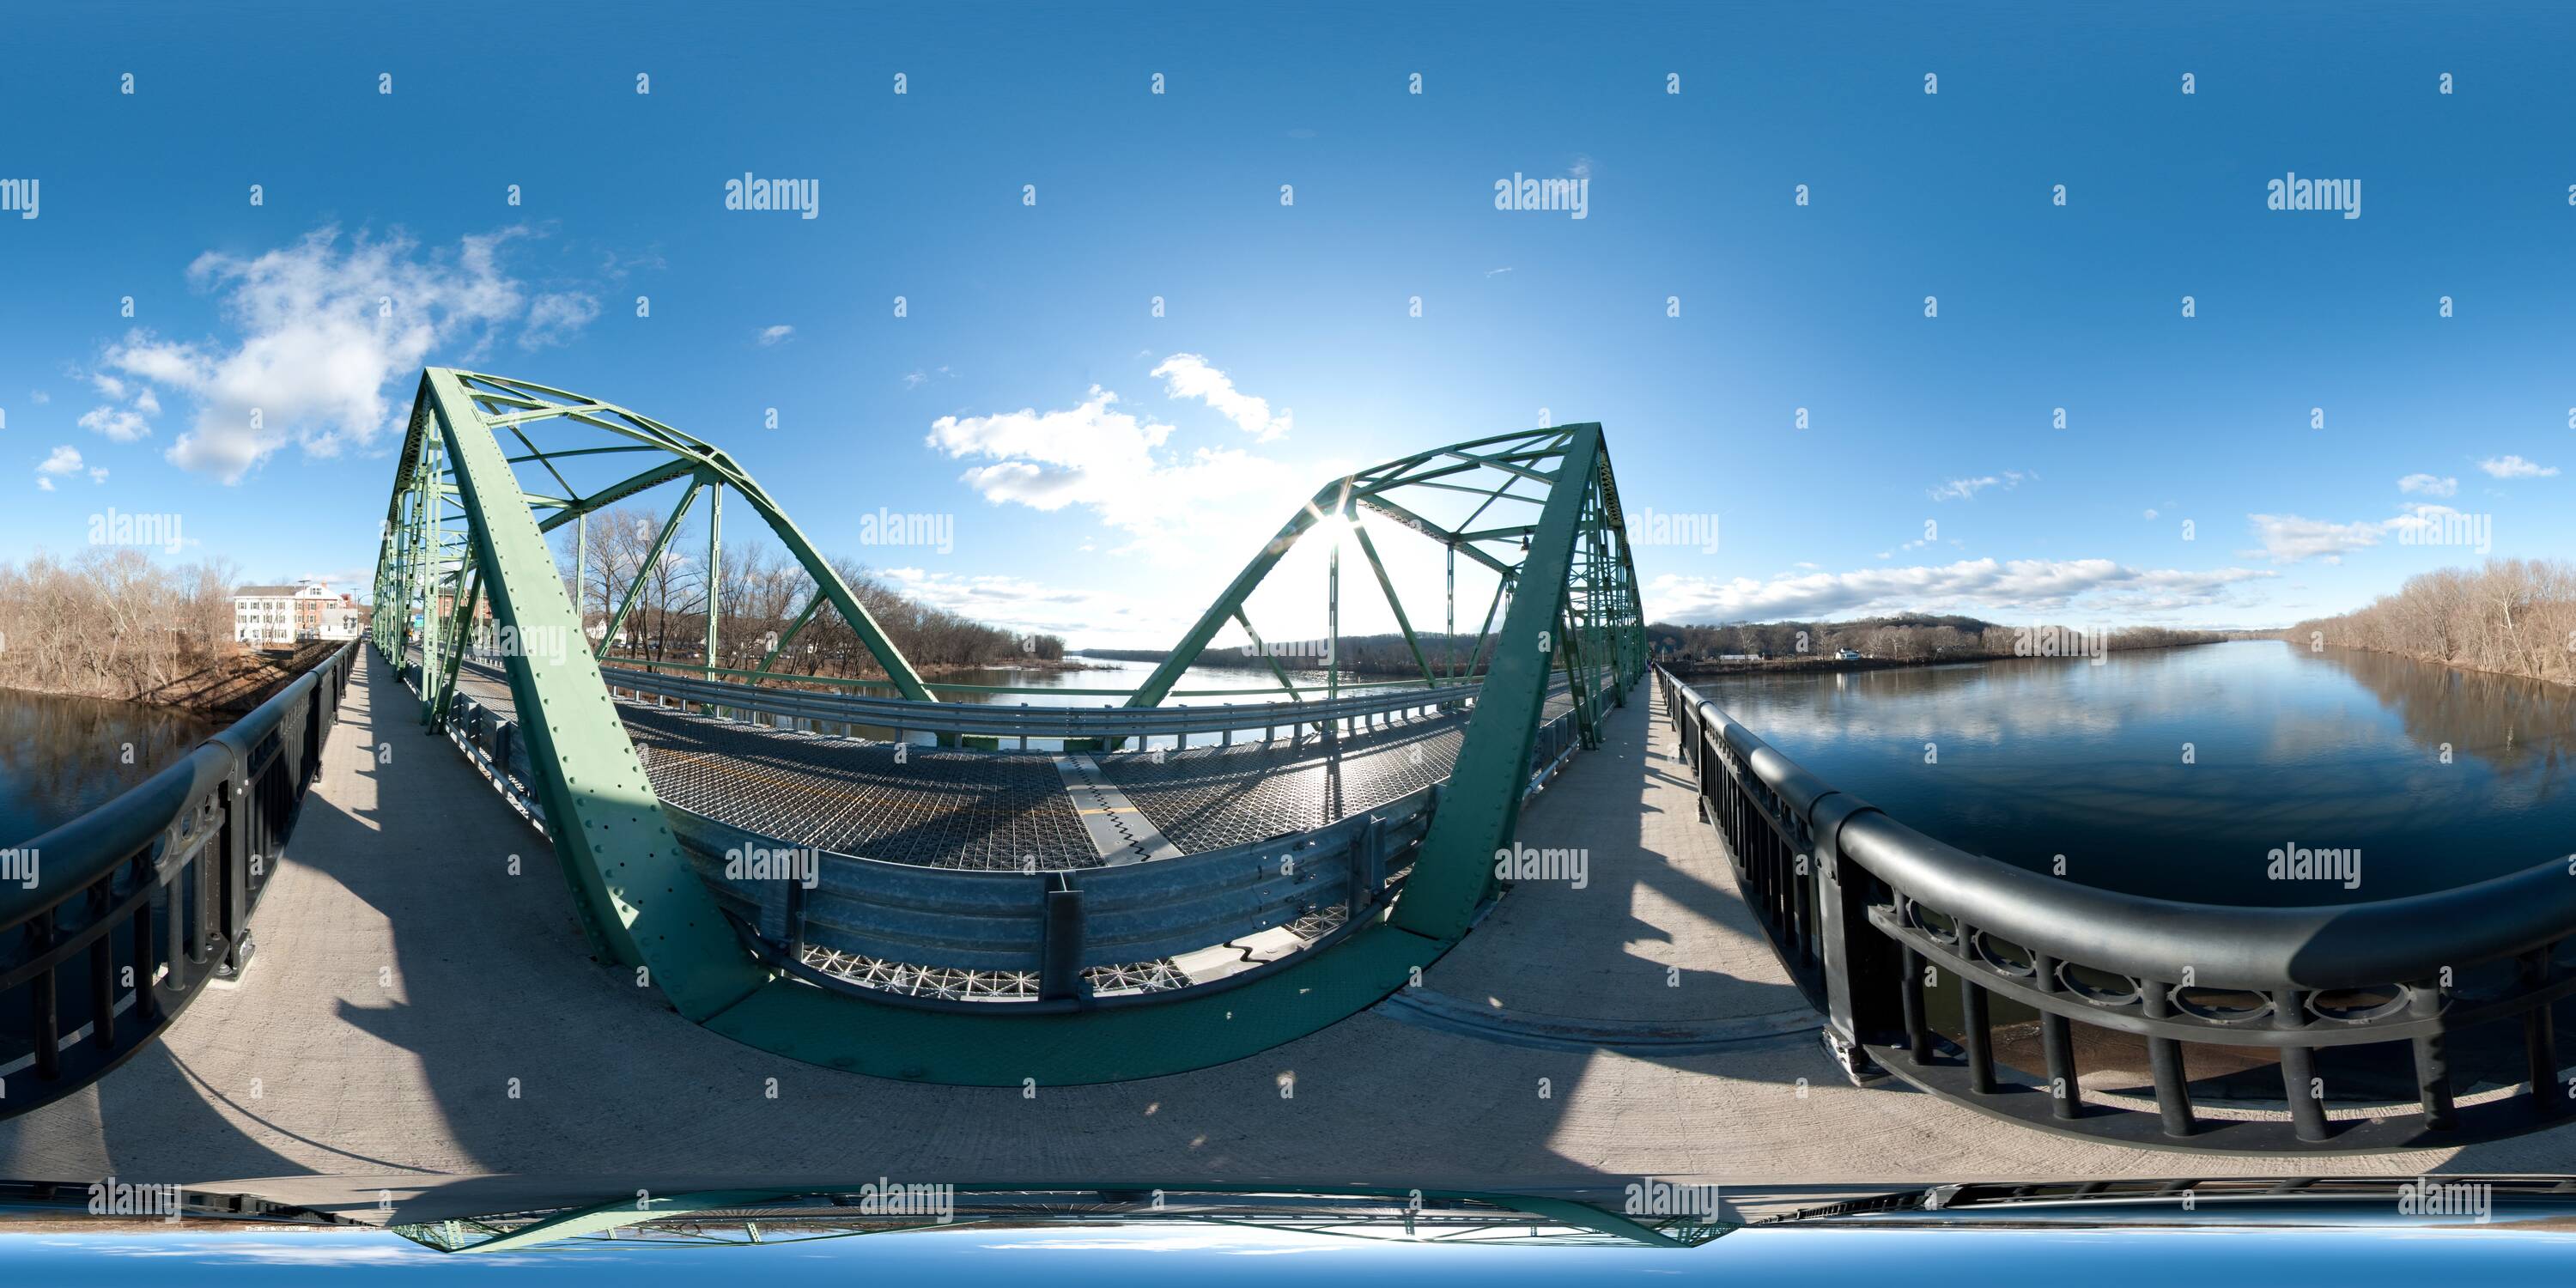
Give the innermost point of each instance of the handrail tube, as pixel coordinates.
(2324, 947)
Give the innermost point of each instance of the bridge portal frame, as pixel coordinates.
(1573, 603)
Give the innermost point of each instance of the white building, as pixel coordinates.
(283, 616)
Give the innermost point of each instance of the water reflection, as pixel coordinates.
(2175, 773)
(2526, 729)
(62, 757)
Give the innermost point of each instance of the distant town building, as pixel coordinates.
(284, 616)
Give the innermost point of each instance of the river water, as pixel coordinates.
(2177, 772)
(61, 757)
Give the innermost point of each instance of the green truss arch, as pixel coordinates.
(468, 521)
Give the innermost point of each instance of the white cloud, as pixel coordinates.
(770, 335)
(2428, 485)
(911, 381)
(1177, 505)
(2151, 514)
(98, 474)
(65, 459)
(2514, 467)
(39, 397)
(118, 423)
(2033, 585)
(1187, 375)
(1967, 489)
(2288, 538)
(554, 319)
(323, 326)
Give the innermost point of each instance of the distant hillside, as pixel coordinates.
(1906, 637)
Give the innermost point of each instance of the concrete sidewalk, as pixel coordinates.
(422, 1005)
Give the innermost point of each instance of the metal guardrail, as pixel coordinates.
(1878, 923)
(1024, 722)
(1052, 936)
(142, 900)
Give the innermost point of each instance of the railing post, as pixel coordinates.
(2432, 1059)
(2540, 1039)
(1368, 867)
(1860, 966)
(46, 1016)
(102, 967)
(2299, 1081)
(2164, 1056)
(1060, 942)
(230, 881)
(2057, 1045)
(312, 738)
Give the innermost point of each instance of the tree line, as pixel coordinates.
(2513, 616)
(760, 590)
(112, 623)
(1907, 637)
(1372, 655)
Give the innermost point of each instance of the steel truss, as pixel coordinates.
(467, 523)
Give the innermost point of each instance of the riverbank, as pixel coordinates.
(221, 689)
(1699, 668)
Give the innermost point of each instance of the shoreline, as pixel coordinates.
(1697, 669)
(219, 692)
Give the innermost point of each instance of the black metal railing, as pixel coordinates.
(133, 906)
(2405, 1023)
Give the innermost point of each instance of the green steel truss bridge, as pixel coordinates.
(932, 882)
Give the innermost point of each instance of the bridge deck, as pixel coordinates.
(996, 809)
(418, 1012)
(1000, 809)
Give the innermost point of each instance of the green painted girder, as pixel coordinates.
(639, 898)
(1480, 809)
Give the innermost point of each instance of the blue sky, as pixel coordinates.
(1114, 520)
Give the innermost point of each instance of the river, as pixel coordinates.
(62, 757)
(2177, 772)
